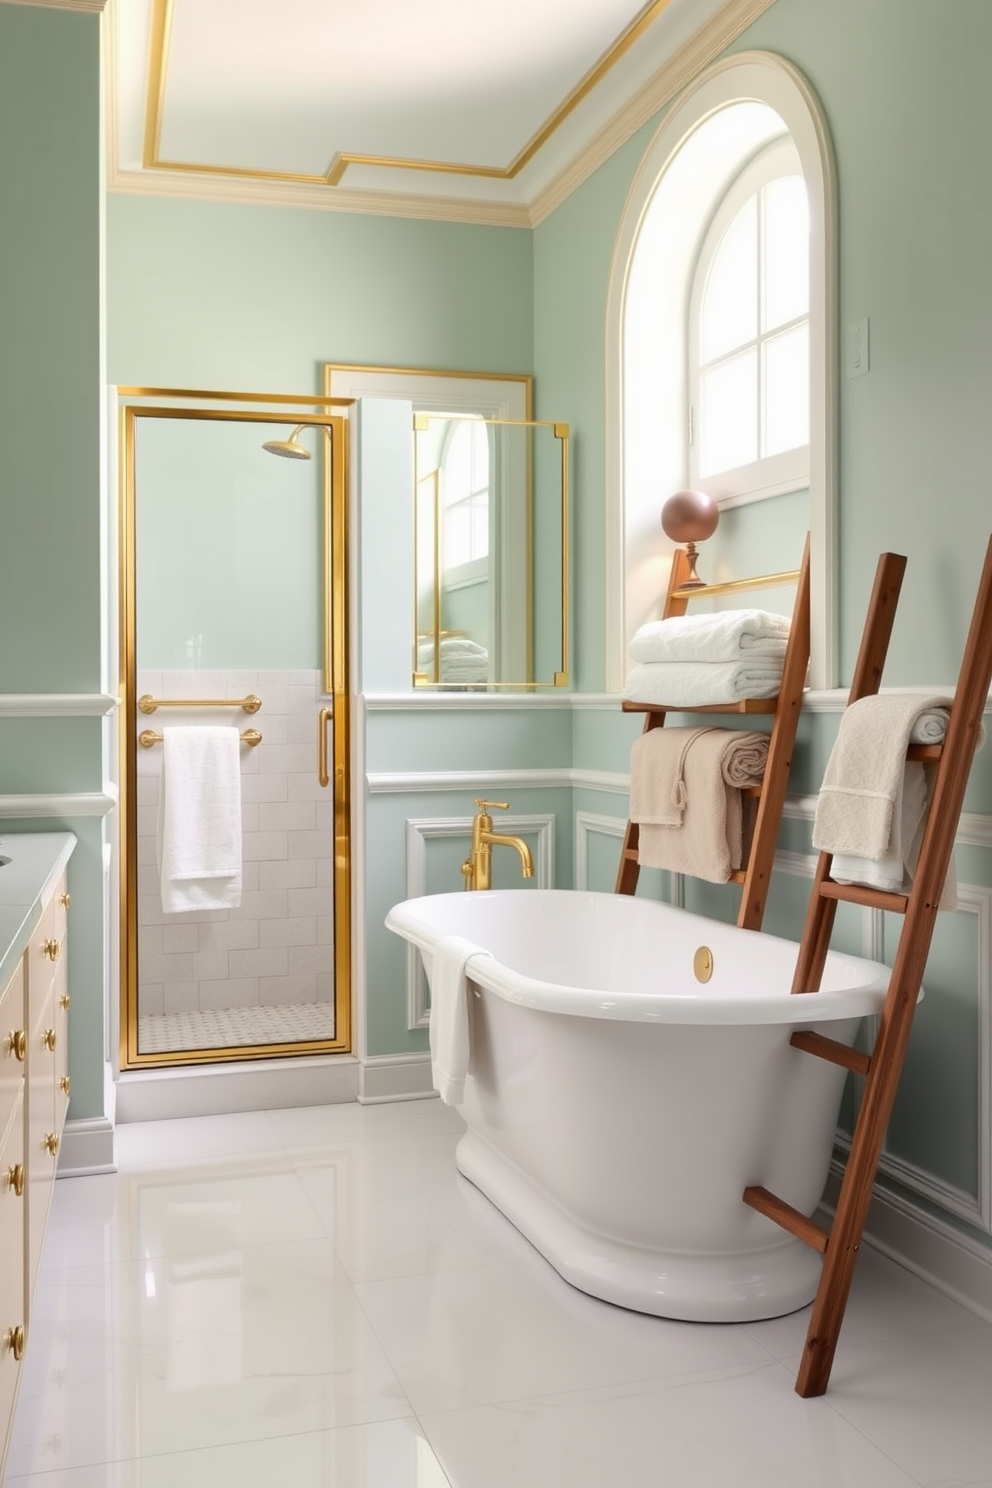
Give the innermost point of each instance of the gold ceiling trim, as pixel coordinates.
(158, 61)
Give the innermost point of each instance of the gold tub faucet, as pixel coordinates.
(477, 867)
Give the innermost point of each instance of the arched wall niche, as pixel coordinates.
(731, 112)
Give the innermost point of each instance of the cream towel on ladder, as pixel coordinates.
(859, 806)
(688, 814)
(199, 819)
(450, 1021)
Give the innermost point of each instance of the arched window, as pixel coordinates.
(748, 335)
(721, 343)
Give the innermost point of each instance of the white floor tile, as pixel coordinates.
(731, 1428)
(512, 1328)
(191, 1350)
(391, 1454)
(308, 1297)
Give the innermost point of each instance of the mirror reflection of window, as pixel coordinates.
(465, 501)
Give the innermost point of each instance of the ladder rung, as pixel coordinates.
(790, 1219)
(925, 753)
(828, 1048)
(738, 875)
(860, 894)
(629, 854)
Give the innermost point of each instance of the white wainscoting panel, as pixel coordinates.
(420, 831)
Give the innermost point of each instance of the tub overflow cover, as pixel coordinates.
(702, 964)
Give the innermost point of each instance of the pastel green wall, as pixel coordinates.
(50, 338)
(51, 389)
(211, 295)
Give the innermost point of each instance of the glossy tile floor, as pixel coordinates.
(314, 1299)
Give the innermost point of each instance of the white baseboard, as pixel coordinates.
(395, 1077)
(223, 1089)
(87, 1146)
(954, 1262)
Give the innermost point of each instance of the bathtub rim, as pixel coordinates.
(409, 920)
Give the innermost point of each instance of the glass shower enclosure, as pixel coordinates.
(233, 616)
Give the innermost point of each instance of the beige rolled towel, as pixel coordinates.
(689, 816)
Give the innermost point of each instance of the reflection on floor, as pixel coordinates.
(314, 1298)
(233, 1028)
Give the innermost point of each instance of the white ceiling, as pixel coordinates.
(484, 110)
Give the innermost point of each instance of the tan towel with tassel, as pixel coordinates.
(681, 796)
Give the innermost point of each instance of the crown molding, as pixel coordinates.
(709, 42)
(314, 198)
(669, 80)
(91, 7)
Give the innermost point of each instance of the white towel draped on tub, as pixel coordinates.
(450, 1023)
(199, 819)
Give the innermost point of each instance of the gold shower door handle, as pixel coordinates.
(323, 718)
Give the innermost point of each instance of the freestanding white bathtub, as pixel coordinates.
(617, 1107)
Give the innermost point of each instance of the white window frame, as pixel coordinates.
(768, 475)
(637, 559)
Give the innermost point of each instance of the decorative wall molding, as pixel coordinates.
(55, 704)
(586, 823)
(92, 7)
(87, 1147)
(423, 701)
(395, 1077)
(420, 831)
(84, 803)
(957, 1264)
(251, 1085)
(416, 781)
(678, 71)
(610, 782)
(182, 184)
(975, 1209)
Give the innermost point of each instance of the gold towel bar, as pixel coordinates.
(148, 737)
(251, 703)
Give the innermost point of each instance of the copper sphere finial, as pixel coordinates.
(690, 517)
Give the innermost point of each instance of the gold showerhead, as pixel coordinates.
(289, 449)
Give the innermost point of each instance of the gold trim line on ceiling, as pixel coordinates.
(158, 58)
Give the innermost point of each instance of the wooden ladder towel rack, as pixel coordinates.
(918, 905)
(785, 709)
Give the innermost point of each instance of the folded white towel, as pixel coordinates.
(889, 872)
(450, 1020)
(730, 635)
(199, 819)
(858, 809)
(687, 684)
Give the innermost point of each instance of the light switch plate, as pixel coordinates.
(856, 351)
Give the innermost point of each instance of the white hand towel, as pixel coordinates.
(199, 819)
(730, 635)
(450, 1021)
(689, 684)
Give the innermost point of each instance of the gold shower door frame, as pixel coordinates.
(334, 542)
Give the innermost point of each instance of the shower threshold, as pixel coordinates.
(228, 1028)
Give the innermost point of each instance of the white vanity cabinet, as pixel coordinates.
(34, 1079)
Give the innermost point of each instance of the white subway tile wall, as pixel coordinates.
(276, 950)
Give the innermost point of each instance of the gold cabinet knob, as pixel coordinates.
(49, 1039)
(13, 1179)
(13, 1341)
(64, 1002)
(51, 1143)
(65, 900)
(16, 1043)
(64, 1086)
(50, 948)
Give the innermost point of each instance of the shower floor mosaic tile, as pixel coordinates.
(314, 1298)
(232, 1028)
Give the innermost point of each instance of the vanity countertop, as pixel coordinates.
(36, 861)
